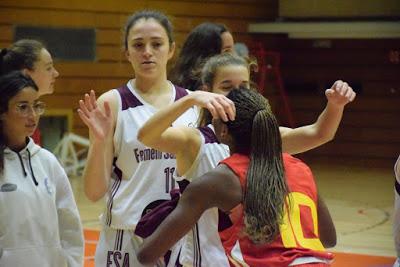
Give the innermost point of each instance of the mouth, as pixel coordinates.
(30, 126)
(148, 63)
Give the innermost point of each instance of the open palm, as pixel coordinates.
(98, 121)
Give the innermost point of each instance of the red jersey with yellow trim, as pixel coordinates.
(298, 232)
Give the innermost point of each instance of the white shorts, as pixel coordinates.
(117, 247)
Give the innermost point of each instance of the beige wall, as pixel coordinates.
(338, 8)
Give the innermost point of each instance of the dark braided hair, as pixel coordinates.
(10, 85)
(255, 132)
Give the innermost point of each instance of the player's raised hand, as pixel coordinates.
(98, 120)
(219, 105)
(340, 93)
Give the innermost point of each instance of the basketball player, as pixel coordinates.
(199, 151)
(271, 199)
(133, 177)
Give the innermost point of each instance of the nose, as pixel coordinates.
(147, 50)
(55, 73)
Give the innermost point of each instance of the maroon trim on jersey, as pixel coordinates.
(208, 134)
(180, 92)
(224, 221)
(128, 99)
(113, 191)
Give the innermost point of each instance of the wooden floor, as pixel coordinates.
(360, 199)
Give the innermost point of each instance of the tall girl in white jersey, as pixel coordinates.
(198, 151)
(131, 176)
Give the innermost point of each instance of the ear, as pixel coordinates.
(127, 54)
(171, 50)
(26, 72)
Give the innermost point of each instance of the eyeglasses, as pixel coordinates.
(24, 109)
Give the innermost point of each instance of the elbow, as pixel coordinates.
(93, 196)
(141, 136)
(329, 241)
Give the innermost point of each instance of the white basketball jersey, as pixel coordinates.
(202, 245)
(396, 215)
(141, 176)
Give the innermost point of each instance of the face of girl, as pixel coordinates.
(44, 74)
(22, 116)
(229, 77)
(227, 42)
(148, 48)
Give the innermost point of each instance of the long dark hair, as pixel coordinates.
(10, 85)
(21, 55)
(255, 132)
(202, 42)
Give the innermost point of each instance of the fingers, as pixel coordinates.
(224, 107)
(83, 117)
(93, 99)
(83, 108)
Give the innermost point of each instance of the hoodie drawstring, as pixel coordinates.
(22, 163)
(30, 166)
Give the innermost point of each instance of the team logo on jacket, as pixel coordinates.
(48, 187)
(8, 187)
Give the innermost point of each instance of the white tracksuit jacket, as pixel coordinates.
(39, 220)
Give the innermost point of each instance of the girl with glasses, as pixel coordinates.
(40, 224)
(34, 60)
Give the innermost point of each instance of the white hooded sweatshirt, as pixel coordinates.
(39, 220)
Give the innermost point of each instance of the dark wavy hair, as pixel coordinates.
(202, 42)
(255, 132)
(10, 85)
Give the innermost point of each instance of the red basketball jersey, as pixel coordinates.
(298, 232)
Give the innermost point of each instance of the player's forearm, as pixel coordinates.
(97, 172)
(307, 137)
(173, 228)
(328, 123)
(157, 124)
(327, 231)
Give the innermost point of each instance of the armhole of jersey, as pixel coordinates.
(117, 132)
(188, 175)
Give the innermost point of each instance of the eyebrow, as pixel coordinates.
(152, 38)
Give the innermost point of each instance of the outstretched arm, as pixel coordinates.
(218, 188)
(304, 138)
(99, 118)
(327, 231)
(184, 142)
